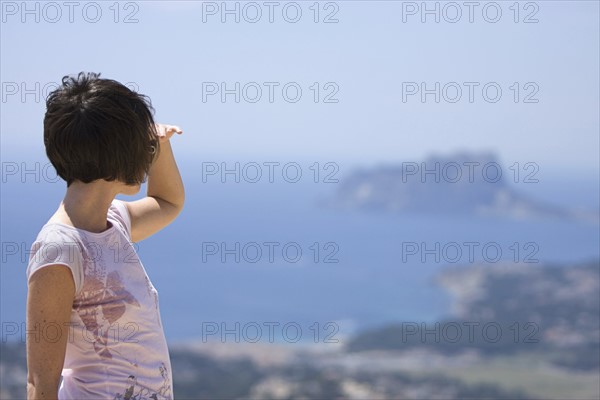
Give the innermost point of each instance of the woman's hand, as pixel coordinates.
(166, 131)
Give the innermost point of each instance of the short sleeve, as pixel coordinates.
(121, 214)
(52, 247)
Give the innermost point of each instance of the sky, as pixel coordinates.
(355, 68)
(358, 87)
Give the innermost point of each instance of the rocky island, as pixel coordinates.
(463, 183)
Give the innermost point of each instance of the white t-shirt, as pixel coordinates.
(116, 347)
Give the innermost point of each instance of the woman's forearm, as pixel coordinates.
(164, 180)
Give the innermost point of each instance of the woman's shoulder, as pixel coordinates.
(57, 229)
(117, 212)
(57, 243)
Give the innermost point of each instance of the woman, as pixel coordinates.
(92, 312)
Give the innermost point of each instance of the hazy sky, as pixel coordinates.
(178, 52)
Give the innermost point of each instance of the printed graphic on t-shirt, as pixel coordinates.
(101, 315)
(135, 392)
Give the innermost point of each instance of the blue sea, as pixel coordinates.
(369, 279)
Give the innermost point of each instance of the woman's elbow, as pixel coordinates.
(36, 389)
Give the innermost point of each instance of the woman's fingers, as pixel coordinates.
(175, 129)
(166, 131)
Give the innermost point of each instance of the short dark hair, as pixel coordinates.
(99, 129)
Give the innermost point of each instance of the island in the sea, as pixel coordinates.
(462, 183)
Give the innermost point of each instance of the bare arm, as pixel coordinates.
(49, 301)
(165, 196)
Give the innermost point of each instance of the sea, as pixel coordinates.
(269, 262)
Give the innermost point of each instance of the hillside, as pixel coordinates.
(543, 308)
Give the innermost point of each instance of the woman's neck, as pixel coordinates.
(85, 205)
